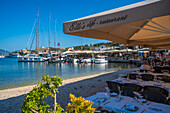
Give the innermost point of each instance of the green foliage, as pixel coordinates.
(34, 100)
(86, 47)
(24, 53)
(33, 51)
(63, 50)
(105, 44)
(79, 105)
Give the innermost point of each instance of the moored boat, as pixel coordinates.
(86, 60)
(100, 59)
(31, 58)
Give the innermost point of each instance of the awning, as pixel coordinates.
(145, 23)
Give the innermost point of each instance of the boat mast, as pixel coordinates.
(37, 30)
(81, 44)
(55, 35)
(49, 29)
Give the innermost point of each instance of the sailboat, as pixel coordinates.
(57, 58)
(33, 57)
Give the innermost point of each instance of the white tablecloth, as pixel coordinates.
(143, 83)
(112, 104)
(155, 74)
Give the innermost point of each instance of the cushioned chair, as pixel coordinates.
(113, 86)
(156, 89)
(133, 87)
(154, 96)
(157, 69)
(133, 76)
(129, 88)
(166, 79)
(147, 77)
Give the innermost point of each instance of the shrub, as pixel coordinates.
(79, 105)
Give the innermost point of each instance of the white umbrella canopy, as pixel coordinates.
(145, 23)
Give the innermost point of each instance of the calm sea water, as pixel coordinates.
(15, 74)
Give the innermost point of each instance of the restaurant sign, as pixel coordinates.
(83, 25)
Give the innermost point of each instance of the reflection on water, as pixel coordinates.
(14, 74)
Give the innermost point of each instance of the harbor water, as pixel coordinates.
(16, 74)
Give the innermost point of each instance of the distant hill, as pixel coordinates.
(3, 52)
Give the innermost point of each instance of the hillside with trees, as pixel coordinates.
(87, 47)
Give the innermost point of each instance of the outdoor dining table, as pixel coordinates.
(155, 74)
(144, 83)
(161, 66)
(124, 105)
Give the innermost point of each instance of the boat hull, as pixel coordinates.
(100, 61)
(27, 59)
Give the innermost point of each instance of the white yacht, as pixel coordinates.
(100, 59)
(31, 58)
(56, 60)
(86, 60)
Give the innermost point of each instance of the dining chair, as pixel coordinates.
(147, 77)
(133, 76)
(167, 68)
(154, 96)
(157, 69)
(159, 77)
(114, 86)
(156, 89)
(166, 79)
(129, 88)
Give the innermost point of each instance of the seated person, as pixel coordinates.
(145, 66)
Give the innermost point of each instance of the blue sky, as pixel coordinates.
(18, 16)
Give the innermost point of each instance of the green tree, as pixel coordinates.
(34, 100)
